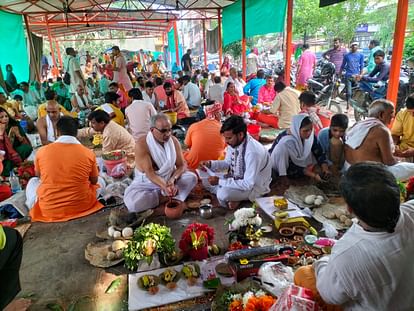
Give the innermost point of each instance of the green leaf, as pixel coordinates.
(54, 307)
(113, 286)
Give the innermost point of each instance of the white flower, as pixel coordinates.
(245, 216)
(236, 297)
(260, 293)
(246, 297)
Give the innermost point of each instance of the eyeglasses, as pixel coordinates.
(163, 131)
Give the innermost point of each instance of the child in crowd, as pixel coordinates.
(332, 141)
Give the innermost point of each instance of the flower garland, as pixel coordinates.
(196, 236)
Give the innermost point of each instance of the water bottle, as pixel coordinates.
(14, 183)
(23, 124)
(82, 118)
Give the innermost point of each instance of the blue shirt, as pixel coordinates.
(252, 88)
(353, 64)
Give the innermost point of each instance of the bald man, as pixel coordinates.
(46, 126)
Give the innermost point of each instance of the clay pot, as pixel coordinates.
(174, 209)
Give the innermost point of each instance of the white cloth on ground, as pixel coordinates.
(51, 135)
(255, 176)
(291, 147)
(371, 270)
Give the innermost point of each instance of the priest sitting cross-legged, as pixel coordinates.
(66, 186)
(247, 163)
(160, 169)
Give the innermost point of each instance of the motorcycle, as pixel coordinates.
(325, 86)
(361, 100)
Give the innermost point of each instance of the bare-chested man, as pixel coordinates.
(46, 126)
(370, 140)
(161, 171)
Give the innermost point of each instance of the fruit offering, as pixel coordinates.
(149, 283)
(191, 272)
(281, 203)
(169, 278)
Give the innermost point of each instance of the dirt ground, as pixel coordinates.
(54, 269)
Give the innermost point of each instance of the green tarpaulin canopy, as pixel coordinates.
(13, 42)
(262, 17)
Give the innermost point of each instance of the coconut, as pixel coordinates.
(118, 245)
(127, 232)
(310, 199)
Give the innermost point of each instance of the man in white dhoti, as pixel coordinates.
(247, 165)
(370, 140)
(160, 171)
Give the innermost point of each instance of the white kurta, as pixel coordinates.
(255, 180)
(371, 270)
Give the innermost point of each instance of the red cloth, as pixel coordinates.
(5, 191)
(269, 119)
(233, 104)
(11, 154)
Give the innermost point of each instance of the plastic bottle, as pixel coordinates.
(23, 124)
(14, 183)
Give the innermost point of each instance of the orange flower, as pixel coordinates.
(236, 305)
(262, 303)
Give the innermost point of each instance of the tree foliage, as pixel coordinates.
(339, 20)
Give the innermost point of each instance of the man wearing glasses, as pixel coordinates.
(161, 172)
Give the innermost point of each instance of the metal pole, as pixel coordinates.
(58, 53)
(177, 52)
(219, 39)
(32, 51)
(205, 44)
(288, 52)
(244, 39)
(50, 42)
(397, 51)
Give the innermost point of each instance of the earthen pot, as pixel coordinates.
(174, 209)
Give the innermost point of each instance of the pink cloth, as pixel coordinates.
(121, 76)
(307, 62)
(160, 92)
(266, 95)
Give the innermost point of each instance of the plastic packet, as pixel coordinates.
(330, 230)
(275, 277)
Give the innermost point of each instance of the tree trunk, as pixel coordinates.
(304, 37)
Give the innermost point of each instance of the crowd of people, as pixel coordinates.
(135, 110)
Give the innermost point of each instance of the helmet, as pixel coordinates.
(328, 69)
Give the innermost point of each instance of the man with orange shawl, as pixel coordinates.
(202, 149)
(67, 185)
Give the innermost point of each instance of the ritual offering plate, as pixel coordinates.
(300, 195)
(149, 283)
(335, 214)
(169, 278)
(191, 273)
(102, 254)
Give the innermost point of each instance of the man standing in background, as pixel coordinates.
(336, 55)
(120, 70)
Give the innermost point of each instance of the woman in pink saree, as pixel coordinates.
(306, 65)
